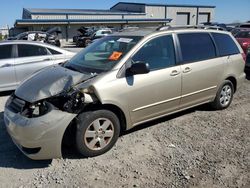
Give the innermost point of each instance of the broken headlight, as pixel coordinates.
(35, 110)
(75, 102)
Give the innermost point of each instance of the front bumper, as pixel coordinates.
(38, 138)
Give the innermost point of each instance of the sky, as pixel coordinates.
(227, 11)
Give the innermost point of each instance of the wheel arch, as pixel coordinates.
(234, 82)
(70, 131)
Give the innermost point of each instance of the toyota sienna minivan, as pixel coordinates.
(119, 82)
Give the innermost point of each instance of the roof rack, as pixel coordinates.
(169, 27)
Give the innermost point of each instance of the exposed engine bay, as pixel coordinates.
(72, 102)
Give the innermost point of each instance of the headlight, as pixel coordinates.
(75, 102)
(9, 100)
(35, 110)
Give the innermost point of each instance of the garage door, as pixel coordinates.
(204, 17)
(182, 18)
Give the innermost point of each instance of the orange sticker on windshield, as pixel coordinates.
(115, 56)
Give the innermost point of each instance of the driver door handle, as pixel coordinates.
(175, 73)
(47, 59)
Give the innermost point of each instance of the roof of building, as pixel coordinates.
(77, 11)
(86, 21)
(136, 32)
(168, 5)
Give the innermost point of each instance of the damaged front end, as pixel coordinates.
(56, 86)
(37, 118)
(73, 102)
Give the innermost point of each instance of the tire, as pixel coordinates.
(87, 42)
(93, 138)
(224, 96)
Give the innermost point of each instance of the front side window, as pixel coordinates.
(5, 51)
(225, 44)
(25, 50)
(102, 55)
(159, 53)
(196, 47)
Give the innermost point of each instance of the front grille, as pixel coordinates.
(16, 105)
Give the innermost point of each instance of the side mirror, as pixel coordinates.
(138, 68)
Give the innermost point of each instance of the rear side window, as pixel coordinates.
(5, 51)
(25, 50)
(106, 32)
(196, 47)
(54, 52)
(225, 44)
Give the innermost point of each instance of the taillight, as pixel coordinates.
(244, 56)
(245, 44)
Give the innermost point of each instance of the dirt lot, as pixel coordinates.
(195, 148)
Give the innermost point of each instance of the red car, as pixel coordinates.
(243, 37)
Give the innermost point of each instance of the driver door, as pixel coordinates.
(158, 92)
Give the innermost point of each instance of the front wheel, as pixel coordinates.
(224, 96)
(97, 132)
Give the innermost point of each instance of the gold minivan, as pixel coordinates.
(121, 81)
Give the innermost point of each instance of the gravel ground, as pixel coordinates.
(195, 148)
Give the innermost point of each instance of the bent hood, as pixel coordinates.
(49, 82)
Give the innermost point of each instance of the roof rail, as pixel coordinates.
(169, 27)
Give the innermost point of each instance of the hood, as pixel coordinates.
(49, 82)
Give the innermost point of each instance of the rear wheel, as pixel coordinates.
(97, 132)
(224, 96)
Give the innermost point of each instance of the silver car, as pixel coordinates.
(119, 82)
(20, 59)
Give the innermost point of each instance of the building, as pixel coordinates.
(118, 16)
(4, 31)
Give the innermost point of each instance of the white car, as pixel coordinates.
(20, 59)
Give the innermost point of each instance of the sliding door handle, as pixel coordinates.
(187, 69)
(6, 65)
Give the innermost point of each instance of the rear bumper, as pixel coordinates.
(247, 67)
(38, 138)
(241, 80)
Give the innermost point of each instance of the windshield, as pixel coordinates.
(103, 54)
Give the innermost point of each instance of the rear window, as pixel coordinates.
(245, 26)
(25, 50)
(54, 52)
(196, 47)
(226, 45)
(5, 51)
(106, 32)
(243, 34)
